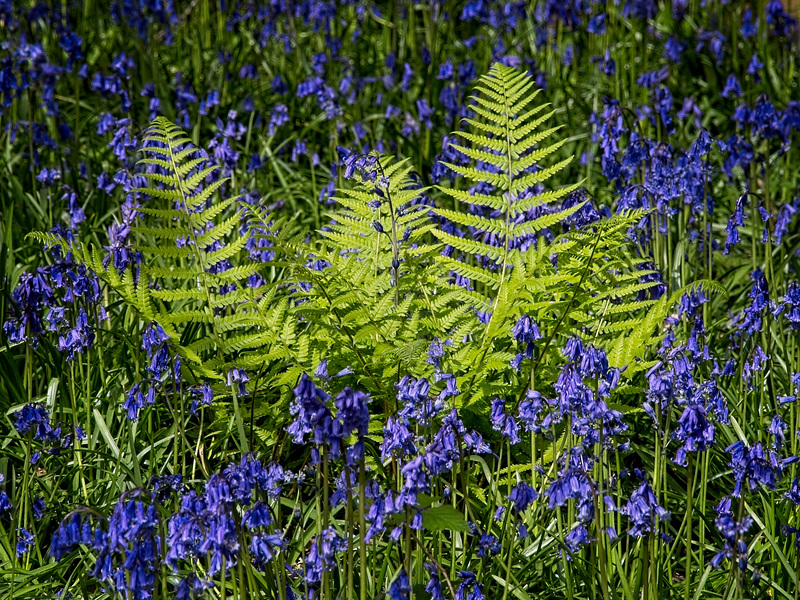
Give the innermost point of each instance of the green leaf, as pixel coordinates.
(444, 518)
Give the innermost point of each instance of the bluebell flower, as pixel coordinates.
(789, 307)
(793, 494)
(446, 71)
(597, 24)
(748, 28)
(415, 478)
(48, 177)
(154, 344)
(776, 429)
(754, 68)
(573, 350)
(606, 64)
(129, 556)
(278, 86)
(191, 587)
(755, 465)
(412, 395)
(504, 422)
(322, 554)
(715, 41)
(39, 507)
(32, 294)
(786, 214)
(732, 88)
(5, 502)
(257, 516)
(25, 541)
(757, 363)
(694, 430)
(400, 588)
(735, 221)
(644, 511)
(572, 484)
(488, 545)
(450, 388)
(434, 585)
(202, 396)
(576, 538)
(531, 411)
(436, 353)
(352, 412)
(220, 541)
(468, 587)
(780, 22)
(750, 319)
(34, 419)
(732, 531)
(673, 48)
(120, 253)
(73, 531)
(265, 546)
(523, 495)
(278, 118)
(474, 443)
(640, 9)
(239, 377)
(365, 166)
(651, 79)
(526, 332)
(382, 507)
(398, 439)
(136, 399)
(593, 363)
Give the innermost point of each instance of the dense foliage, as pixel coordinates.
(464, 300)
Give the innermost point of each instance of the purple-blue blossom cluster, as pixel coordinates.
(63, 299)
(312, 90)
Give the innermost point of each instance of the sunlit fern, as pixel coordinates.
(367, 304)
(584, 282)
(194, 269)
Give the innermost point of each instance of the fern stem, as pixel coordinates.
(362, 528)
(509, 200)
(199, 252)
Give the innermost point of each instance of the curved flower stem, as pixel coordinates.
(362, 529)
(508, 566)
(689, 491)
(326, 581)
(350, 534)
(601, 550)
(436, 563)
(564, 561)
(222, 583)
(75, 441)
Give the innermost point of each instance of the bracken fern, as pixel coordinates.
(192, 273)
(368, 281)
(376, 291)
(584, 282)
